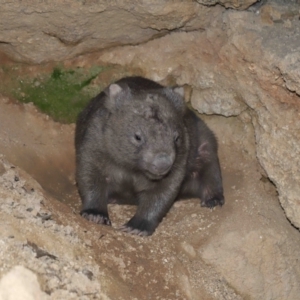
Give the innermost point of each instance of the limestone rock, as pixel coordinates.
(289, 68)
(20, 284)
(217, 101)
(56, 30)
(265, 82)
(253, 260)
(237, 4)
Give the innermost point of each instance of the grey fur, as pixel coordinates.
(137, 142)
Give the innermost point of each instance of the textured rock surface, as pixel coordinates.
(56, 30)
(238, 4)
(252, 271)
(31, 238)
(265, 81)
(21, 284)
(276, 111)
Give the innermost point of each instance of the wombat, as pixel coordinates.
(137, 142)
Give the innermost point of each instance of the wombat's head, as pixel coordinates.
(145, 130)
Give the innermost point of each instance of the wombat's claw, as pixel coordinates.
(134, 231)
(96, 218)
(212, 202)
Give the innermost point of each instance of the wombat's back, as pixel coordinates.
(85, 117)
(139, 83)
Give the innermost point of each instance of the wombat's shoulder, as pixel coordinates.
(95, 106)
(138, 83)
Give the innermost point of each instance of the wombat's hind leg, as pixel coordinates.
(95, 216)
(211, 189)
(210, 177)
(212, 201)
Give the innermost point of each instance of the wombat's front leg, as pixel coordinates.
(152, 208)
(93, 191)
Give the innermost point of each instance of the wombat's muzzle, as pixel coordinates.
(161, 164)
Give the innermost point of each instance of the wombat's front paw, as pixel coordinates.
(213, 201)
(139, 227)
(95, 216)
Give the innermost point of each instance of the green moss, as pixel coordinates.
(62, 94)
(55, 90)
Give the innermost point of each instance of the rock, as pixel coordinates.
(289, 69)
(217, 101)
(2, 169)
(50, 253)
(266, 90)
(237, 4)
(264, 271)
(21, 284)
(56, 30)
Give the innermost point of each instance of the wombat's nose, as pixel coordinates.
(162, 163)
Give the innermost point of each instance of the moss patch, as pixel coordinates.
(61, 94)
(58, 91)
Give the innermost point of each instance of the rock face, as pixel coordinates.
(271, 91)
(56, 30)
(21, 284)
(260, 265)
(238, 4)
(26, 244)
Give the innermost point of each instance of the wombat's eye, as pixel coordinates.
(138, 137)
(176, 137)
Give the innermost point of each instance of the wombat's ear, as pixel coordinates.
(179, 90)
(176, 95)
(115, 94)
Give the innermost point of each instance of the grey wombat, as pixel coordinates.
(137, 142)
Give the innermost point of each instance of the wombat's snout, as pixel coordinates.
(162, 163)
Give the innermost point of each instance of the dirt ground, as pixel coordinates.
(74, 259)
